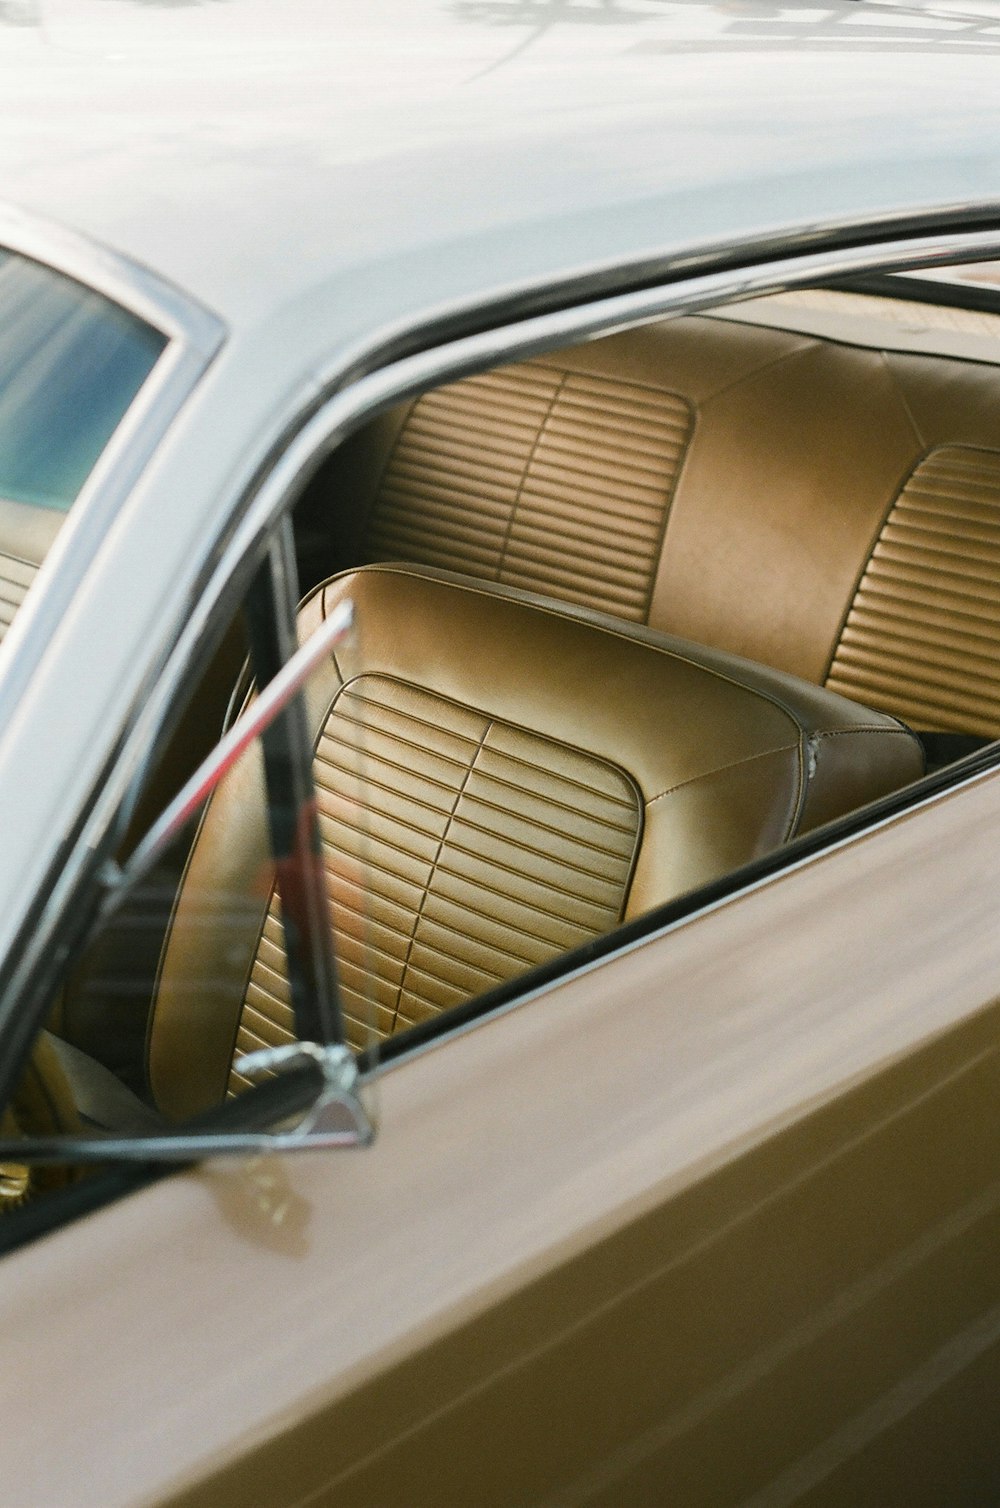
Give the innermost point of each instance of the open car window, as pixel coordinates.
(208, 968)
(631, 617)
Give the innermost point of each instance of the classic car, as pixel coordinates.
(499, 780)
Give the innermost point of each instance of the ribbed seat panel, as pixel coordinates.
(451, 866)
(554, 481)
(16, 577)
(922, 638)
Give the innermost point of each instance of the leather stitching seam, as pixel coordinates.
(721, 770)
(809, 343)
(505, 542)
(868, 728)
(433, 870)
(400, 569)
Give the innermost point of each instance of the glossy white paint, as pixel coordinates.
(413, 151)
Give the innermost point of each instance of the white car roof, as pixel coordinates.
(400, 151)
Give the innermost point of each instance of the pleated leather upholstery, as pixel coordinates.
(15, 578)
(26, 536)
(922, 638)
(498, 780)
(485, 848)
(27, 533)
(775, 453)
(552, 480)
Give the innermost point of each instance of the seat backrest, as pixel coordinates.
(498, 781)
(828, 507)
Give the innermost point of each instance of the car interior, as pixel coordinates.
(635, 613)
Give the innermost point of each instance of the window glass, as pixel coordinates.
(71, 362)
(202, 932)
(207, 954)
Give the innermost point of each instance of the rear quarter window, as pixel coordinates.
(71, 363)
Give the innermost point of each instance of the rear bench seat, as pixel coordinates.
(830, 507)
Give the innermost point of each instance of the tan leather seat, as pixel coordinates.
(527, 778)
(831, 508)
(27, 533)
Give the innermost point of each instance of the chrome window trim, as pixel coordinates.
(193, 337)
(134, 287)
(344, 401)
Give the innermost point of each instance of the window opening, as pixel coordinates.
(543, 817)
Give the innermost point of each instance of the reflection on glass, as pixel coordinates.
(71, 363)
(190, 972)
